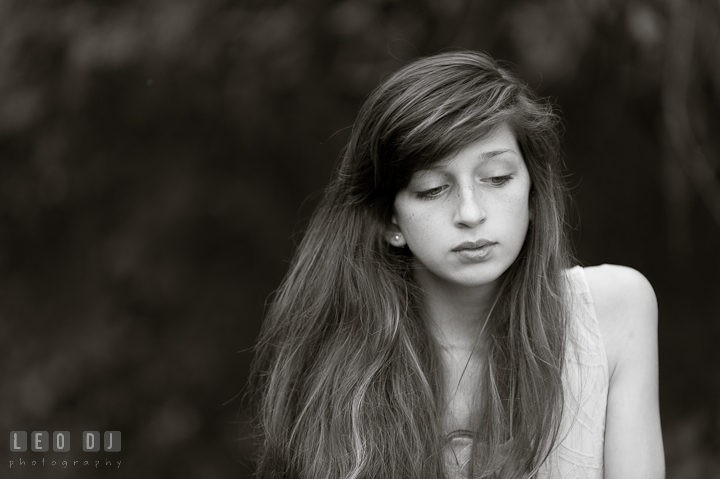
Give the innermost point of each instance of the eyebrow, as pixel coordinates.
(486, 155)
(492, 154)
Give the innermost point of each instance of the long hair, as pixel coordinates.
(346, 374)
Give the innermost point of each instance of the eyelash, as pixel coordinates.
(494, 181)
(502, 180)
(428, 194)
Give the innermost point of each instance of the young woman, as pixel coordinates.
(431, 325)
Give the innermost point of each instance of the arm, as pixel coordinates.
(626, 307)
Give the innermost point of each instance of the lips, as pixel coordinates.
(473, 245)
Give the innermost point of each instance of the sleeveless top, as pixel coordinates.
(578, 453)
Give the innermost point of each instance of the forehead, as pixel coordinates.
(499, 145)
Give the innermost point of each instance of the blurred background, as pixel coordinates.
(159, 159)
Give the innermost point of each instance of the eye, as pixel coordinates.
(497, 181)
(431, 193)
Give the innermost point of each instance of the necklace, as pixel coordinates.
(459, 453)
(479, 338)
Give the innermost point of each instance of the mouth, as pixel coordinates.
(473, 245)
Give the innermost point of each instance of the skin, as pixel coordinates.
(480, 193)
(483, 192)
(626, 309)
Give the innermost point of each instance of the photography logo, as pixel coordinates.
(40, 442)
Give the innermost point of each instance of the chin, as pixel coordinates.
(477, 280)
(475, 276)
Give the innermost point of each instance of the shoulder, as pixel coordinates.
(615, 287)
(626, 309)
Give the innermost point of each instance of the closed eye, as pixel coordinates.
(431, 193)
(497, 181)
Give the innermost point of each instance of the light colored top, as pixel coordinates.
(579, 452)
(579, 455)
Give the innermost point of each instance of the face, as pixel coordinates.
(465, 219)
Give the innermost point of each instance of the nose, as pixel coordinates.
(470, 209)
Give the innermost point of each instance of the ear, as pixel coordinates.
(393, 235)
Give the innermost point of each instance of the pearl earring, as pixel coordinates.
(397, 237)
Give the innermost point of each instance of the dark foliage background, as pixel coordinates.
(158, 159)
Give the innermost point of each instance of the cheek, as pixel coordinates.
(411, 219)
(414, 227)
(420, 230)
(519, 212)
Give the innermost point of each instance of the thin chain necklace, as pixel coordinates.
(479, 338)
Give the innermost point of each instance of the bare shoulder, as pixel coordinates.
(617, 287)
(626, 309)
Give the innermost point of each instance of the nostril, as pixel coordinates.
(470, 213)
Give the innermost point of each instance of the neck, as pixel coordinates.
(456, 315)
(456, 318)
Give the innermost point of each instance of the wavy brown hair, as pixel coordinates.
(345, 377)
